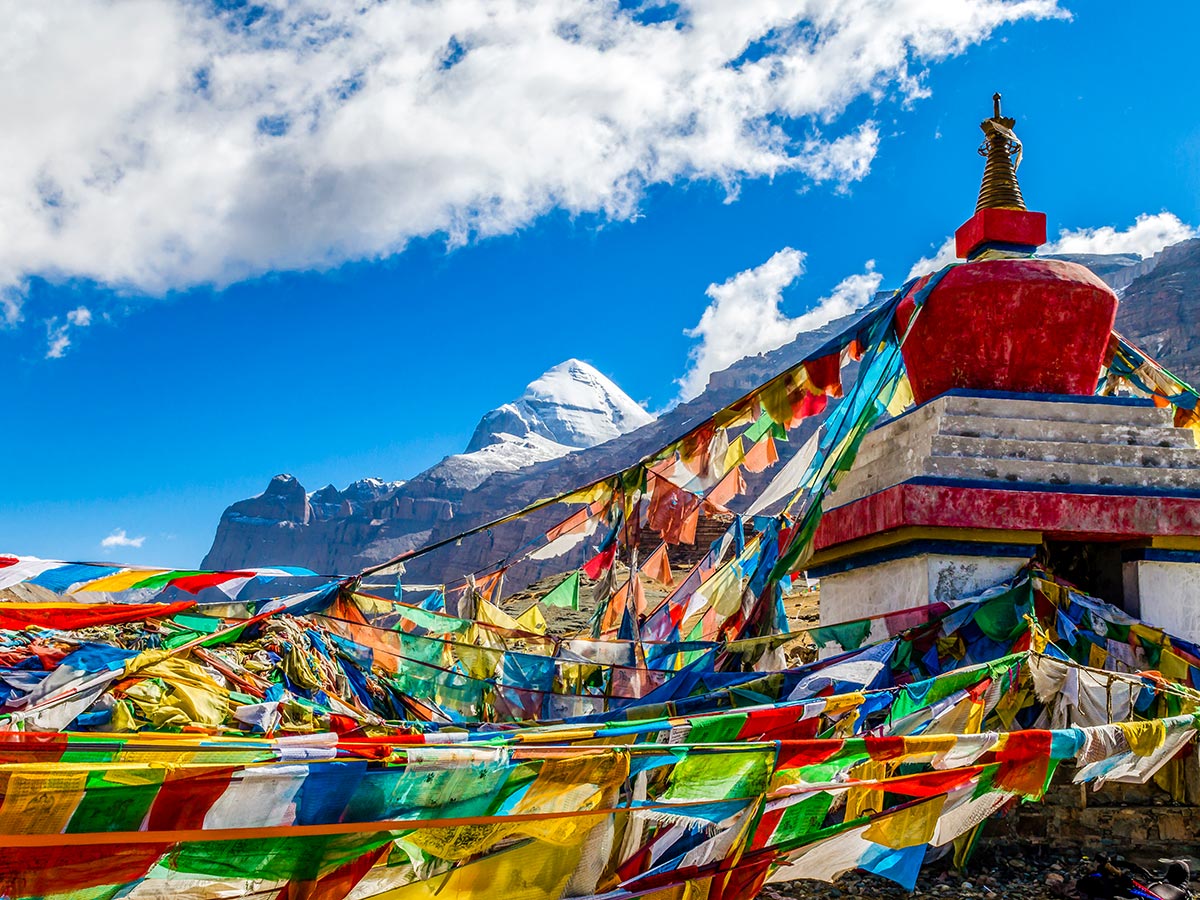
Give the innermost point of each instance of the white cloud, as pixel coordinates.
(745, 318)
(942, 257)
(153, 146)
(58, 335)
(1146, 236)
(851, 293)
(120, 539)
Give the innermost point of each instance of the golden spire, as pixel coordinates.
(1003, 151)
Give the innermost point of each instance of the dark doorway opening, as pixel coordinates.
(1093, 566)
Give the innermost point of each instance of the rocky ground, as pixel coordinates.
(1011, 871)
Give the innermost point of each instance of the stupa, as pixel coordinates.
(1010, 454)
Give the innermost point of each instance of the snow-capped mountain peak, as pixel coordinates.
(572, 404)
(571, 407)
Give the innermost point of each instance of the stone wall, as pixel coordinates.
(1131, 820)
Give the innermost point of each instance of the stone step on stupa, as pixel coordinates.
(1107, 422)
(1015, 441)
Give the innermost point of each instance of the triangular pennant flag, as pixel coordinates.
(489, 586)
(615, 609)
(625, 632)
(658, 566)
(566, 594)
(639, 595)
(533, 620)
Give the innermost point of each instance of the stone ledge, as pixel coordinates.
(1076, 452)
(1038, 430)
(1110, 516)
(1054, 408)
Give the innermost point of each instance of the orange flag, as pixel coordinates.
(658, 566)
(761, 455)
(489, 586)
(673, 512)
(616, 606)
(728, 488)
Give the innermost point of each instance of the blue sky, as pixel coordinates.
(195, 376)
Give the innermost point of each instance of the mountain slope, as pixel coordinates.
(1160, 309)
(570, 407)
(514, 457)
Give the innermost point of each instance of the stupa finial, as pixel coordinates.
(1002, 148)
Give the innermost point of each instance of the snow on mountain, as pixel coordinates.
(466, 471)
(570, 407)
(572, 404)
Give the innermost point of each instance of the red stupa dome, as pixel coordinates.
(1004, 321)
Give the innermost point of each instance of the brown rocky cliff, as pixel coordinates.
(1160, 311)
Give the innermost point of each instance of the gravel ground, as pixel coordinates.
(998, 870)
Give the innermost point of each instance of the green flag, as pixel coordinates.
(566, 594)
(847, 635)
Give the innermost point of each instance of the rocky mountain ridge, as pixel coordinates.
(570, 407)
(1160, 309)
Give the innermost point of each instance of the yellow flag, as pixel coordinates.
(902, 399)
(533, 620)
(493, 615)
(735, 454)
(908, 827)
(529, 871)
(40, 802)
(1173, 666)
(1144, 737)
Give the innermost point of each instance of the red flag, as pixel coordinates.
(826, 373)
(600, 563)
